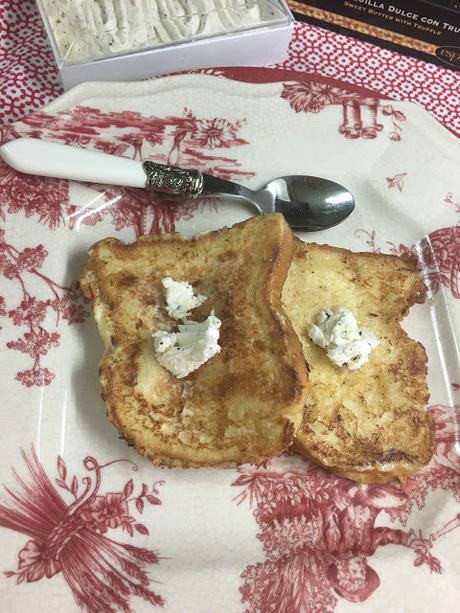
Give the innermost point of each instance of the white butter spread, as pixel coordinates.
(194, 344)
(180, 298)
(91, 29)
(346, 344)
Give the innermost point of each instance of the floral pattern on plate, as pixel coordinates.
(70, 537)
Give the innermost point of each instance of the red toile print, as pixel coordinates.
(455, 202)
(310, 96)
(216, 133)
(438, 254)
(66, 302)
(359, 110)
(360, 118)
(8, 133)
(45, 198)
(397, 117)
(370, 236)
(397, 181)
(68, 535)
(3, 310)
(318, 531)
(392, 248)
(138, 209)
(186, 140)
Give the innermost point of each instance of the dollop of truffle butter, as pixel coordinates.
(180, 298)
(346, 344)
(194, 343)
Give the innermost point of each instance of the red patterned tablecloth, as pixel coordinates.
(28, 76)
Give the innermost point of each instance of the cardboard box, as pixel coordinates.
(429, 30)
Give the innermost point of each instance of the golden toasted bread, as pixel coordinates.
(368, 425)
(246, 402)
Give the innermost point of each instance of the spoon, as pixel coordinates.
(308, 203)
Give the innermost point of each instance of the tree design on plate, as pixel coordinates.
(438, 254)
(23, 268)
(40, 197)
(186, 140)
(69, 534)
(359, 111)
(318, 531)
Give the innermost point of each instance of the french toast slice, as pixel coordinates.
(368, 425)
(245, 403)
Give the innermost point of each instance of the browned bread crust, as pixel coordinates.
(370, 424)
(245, 403)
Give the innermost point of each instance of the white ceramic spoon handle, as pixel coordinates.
(38, 157)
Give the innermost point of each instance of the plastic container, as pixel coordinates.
(125, 40)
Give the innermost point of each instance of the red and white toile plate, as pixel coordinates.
(86, 523)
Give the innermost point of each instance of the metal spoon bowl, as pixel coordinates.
(309, 204)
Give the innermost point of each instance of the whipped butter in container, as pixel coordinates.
(159, 36)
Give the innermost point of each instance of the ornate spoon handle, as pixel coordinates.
(34, 156)
(173, 180)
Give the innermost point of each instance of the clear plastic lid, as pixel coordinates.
(85, 30)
